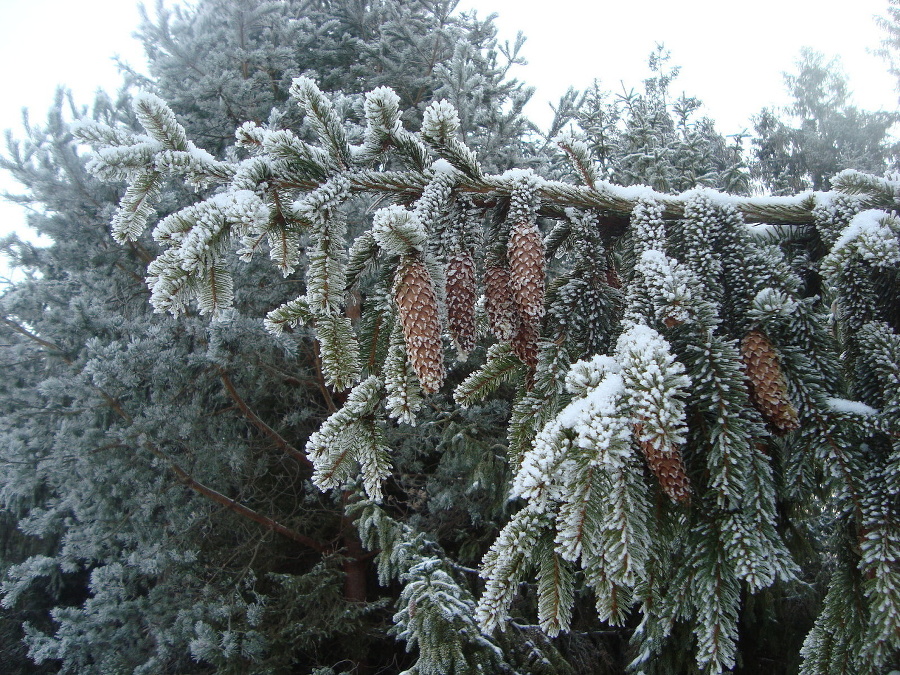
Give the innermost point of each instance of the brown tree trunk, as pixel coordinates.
(356, 570)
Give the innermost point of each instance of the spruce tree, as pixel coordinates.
(655, 138)
(154, 463)
(823, 132)
(653, 474)
(664, 440)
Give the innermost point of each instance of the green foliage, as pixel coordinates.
(650, 139)
(626, 490)
(824, 132)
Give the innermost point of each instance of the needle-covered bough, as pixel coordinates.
(688, 369)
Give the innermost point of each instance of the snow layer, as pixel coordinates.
(843, 405)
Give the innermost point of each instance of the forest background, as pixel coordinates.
(156, 492)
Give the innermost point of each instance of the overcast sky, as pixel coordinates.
(731, 54)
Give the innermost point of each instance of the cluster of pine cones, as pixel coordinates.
(514, 294)
(514, 303)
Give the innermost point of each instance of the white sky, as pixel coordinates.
(731, 54)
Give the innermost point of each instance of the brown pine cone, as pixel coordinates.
(666, 465)
(461, 296)
(525, 343)
(525, 251)
(417, 308)
(500, 306)
(768, 390)
(612, 277)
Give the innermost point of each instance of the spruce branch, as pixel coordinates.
(324, 120)
(189, 481)
(254, 419)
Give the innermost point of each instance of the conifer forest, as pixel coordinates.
(337, 363)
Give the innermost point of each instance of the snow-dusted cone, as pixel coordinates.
(500, 306)
(418, 310)
(665, 463)
(461, 296)
(612, 277)
(768, 390)
(526, 281)
(527, 270)
(525, 343)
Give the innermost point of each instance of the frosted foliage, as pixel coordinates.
(770, 304)
(198, 237)
(325, 276)
(382, 110)
(159, 121)
(504, 566)
(671, 289)
(404, 394)
(200, 232)
(433, 207)
(126, 161)
(556, 585)
(323, 118)
(586, 375)
(440, 121)
(321, 205)
(834, 212)
(880, 557)
(20, 577)
(700, 236)
(648, 227)
(524, 200)
(351, 435)
(582, 468)
(579, 155)
(437, 617)
(656, 385)
(719, 388)
(593, 422)
(398, 231)
(136, 207)
(340, 349)
(873, 236)
(716, 598)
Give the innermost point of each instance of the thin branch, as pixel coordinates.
(259, 424)
(31, 336)
(269, 523)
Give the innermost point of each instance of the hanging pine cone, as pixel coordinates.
(499, 304)
(525, 251)
(461, 296)
(525, 343)
(418, 311)
(666, 465)
(768, 390)
(612, 277)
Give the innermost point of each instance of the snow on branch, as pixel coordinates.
(651, 363)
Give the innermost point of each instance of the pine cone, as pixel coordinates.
(500, 306)
(461, 296)
(612, 277)
(525, 343)
(418, 311)
(525, 251)
(665, 463)
(768, 390)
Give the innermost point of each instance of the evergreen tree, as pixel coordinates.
(824, 132)
(668, 429)
(655, 139)
(145, 531)
(718, 399)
